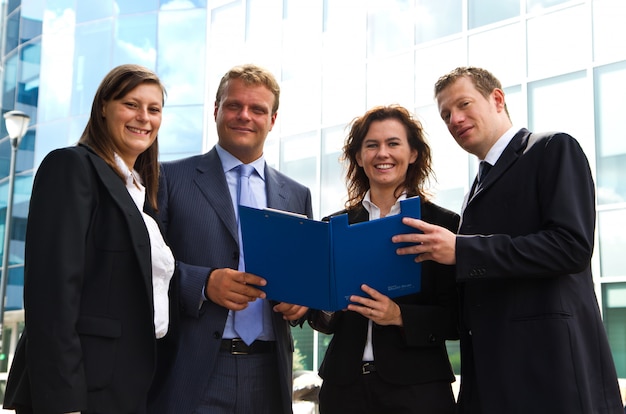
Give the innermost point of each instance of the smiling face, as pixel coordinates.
(476, 122)
(385, 154)
(244, 118)
(133, 121)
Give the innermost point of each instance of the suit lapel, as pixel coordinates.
(277, 197)
(136, 225)
(211, 182)
(510, 155)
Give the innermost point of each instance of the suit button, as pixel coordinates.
(217, 335)
(431, 338)
(236, 256)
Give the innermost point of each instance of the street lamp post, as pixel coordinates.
(17, 125)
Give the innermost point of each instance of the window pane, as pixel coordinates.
(611, 225)
(87, 10)
(390, 26)
(9, 88)
(181, 131)
(92, 60)
(614, 315)
(177, 4)
(28, 91)
(482, 12)
(299, 160)
(538, 5)
(608, 25)
(135, 6)
(32, 19)
(508, 64)
(437, 18)
(391, 80)
(610, 90)
(333, 189)
(433, 62)
(564, 104)
(565, 49)
(184, 82)
(135, 40)
(451, 183)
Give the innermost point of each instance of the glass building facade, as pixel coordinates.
(562, 64)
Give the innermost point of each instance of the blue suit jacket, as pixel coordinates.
(201, 229)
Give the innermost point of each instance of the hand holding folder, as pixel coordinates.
(321, 264)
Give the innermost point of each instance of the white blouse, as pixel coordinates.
(163, 263)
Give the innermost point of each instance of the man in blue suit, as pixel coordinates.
(214, 370)
(532, 340)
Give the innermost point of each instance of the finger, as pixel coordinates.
(251, 279)
(361, 301)
(376, 295)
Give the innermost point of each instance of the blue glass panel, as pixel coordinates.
(482, 12)
(92, 61)
(15, 289)
(28, 91)
(178, 5)
(87, 10)
(437, 18)
(10, 85)
(50, 135)
(178, 44)
(135, 40)
(181, 131)
(538, 5)
(12, 33)
(135, 6)
(32, 18)
(610, 89)
(12, 5)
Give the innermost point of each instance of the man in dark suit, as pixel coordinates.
(215, 370)
(532, 340)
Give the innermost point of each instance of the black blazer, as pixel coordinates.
(532, 340)
(413, 354)
(89, 342)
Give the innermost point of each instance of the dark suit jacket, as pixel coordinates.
(197, 212)
(89, 342)
(532, 340)
(415, 353)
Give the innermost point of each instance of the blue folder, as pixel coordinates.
(320, 264)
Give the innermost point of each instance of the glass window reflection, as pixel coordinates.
(87, 10)
(92, 61)
(135, 40)
(610, 84)
(299, 160)
(612, 241)
(28, 93)
(483, 12)
(437, 18)
(181, 4)
(333, 193)
(614, 316)
(538, 5)
(135, 6)
(32, 19)
(390, 26)
(184, 82)
(181, 131)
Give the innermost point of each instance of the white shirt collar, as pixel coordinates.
(498, 148)
(374, 211)
(229, 161)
